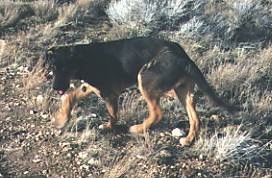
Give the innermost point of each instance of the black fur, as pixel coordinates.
(113, 66)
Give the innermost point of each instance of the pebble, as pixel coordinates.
(201, 157)
(36, 159)
(178, 132)
(101, 127)
(44, 171)
(93, 162)
(82, 155)
(26, 172)
(84, 166)
(93, 115)
(162, 134)
(39, 99)
(140, 157)
(165, 153)
(7, 108)
(44, 115)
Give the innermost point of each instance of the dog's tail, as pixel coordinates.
(194, 72)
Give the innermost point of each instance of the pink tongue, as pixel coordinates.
(60, 92)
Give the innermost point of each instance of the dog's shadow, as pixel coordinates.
(82, 125)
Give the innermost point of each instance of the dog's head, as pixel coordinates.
(60, 60)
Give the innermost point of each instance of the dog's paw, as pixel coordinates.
(58, 132)
(59, 121)
(136, 129)
(184, 141)
(105, 126)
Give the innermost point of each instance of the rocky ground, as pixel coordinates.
(30, 147)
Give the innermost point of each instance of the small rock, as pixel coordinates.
(39, 99)
(84, 166)
(101, 127)
(201, 157)
(82, 155)
(26, 172)
(69, 155)
(32, 112)
(140, 157)
(162, 134)
(178, 132)
(7, 108)
(93, 115)
(93, 162)
(16, 104)
(44, 115)
(20, 68)
(165, 153)
(36, 159)
(44, 172)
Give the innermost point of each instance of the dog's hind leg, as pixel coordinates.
(185, 95)
(68, 100)
(112, 107)
(152, 98)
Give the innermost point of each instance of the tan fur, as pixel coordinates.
(155, 113)
(69, 99)
(184, 94)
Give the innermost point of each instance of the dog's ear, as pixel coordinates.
(49, 53)
(47, 57)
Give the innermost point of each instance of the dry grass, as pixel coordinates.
(135, 158)
(233, 145)
(2, 48)
(253, 76)
(36, 77)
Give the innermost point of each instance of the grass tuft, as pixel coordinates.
(232, 146)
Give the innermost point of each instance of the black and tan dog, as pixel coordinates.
(107, 68)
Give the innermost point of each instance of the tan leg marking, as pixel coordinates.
(155, 113)
(69, 99)
(185, 95)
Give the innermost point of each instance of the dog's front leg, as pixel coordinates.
(68, 100)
